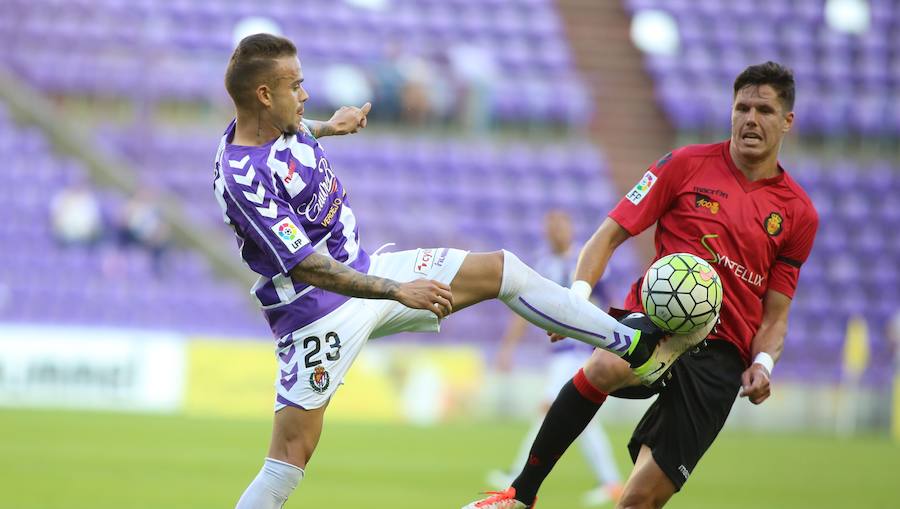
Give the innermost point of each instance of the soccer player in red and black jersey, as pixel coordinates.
(734, 205)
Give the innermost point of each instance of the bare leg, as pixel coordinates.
(647, 486)
(478, 279)
(295, 434)
(608, 372)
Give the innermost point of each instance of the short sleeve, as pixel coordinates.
(785, 273)
(264, 217)
(643, 205)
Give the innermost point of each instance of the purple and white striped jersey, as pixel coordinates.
(284, 202)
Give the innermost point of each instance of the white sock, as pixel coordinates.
(598, 453)
(557, 309)
(271, 487)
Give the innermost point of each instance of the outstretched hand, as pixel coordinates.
(349, 119)
(755, 383)
(426, 294)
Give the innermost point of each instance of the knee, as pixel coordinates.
(607, 372)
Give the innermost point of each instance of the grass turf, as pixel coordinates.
(77, 460)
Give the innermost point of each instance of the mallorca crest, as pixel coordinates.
(319, 379)
(773, 224)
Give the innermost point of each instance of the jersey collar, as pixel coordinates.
(747, 185)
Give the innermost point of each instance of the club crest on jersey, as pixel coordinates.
(424, 261)
(319, 379)
(291, 236)
(774, 223)
(703, 201)
(641, 189)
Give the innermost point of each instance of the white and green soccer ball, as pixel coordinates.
(681, 293)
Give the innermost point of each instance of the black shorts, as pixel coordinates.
(690, 411)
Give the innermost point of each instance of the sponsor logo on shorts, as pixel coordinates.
(424, 261)
(290, 234)
(684, 471)
(319, 379)
(641, 189)
(442, 257)
(703, 201)
(774, 223)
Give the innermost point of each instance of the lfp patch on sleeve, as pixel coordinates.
(292, 236)
(641, 189)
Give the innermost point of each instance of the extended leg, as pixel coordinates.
(540, 301)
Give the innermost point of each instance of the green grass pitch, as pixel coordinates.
(76, 460)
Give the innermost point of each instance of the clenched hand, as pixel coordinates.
(755, 383)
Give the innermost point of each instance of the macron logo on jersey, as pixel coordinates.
(290, 235)
(640, 190)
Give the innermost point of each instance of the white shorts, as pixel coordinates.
(315, 360)
(561, 368)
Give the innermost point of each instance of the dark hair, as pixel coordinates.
(770, 73)
(250, 63)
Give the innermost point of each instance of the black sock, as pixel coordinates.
(569, 415)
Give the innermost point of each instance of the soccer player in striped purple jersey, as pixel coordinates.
(322, 294)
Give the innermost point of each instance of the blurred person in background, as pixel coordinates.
(565, 358)
(734, 205)
(475, 72)
(76, 216)
(141, 224)
(324, 296)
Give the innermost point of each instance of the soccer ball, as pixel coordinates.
(681, 293)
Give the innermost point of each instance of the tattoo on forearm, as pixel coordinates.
(318, 128)
(324, 272)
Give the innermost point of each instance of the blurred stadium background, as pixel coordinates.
(135, 371)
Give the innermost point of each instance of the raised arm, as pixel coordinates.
(346, 120)
(767, 347)
(324, 272)
(597, 251)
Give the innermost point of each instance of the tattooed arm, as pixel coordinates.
(318, 128)
(346, 120)
(324, 272)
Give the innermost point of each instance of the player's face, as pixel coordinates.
(288, 95)
(758, 122)
(558, 227)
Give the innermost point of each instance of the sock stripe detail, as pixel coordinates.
(557, 322)
(586, 389)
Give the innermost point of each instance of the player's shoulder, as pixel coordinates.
(699, 151)
(801, 201)
(686, 155)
